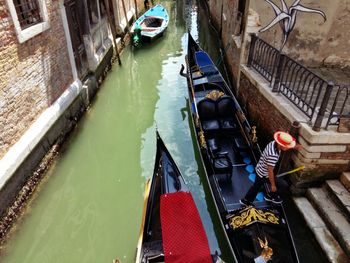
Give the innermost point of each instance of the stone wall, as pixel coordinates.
(231, 25)
(32, 74)
(256, 104)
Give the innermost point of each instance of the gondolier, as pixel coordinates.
(264, 169)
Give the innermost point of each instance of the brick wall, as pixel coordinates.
(261, 112)
(229, 24)
(32, 74)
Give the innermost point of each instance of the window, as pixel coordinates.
(29, 17)
(94, 7)
(28, 12)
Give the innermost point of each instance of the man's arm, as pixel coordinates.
(272, 178)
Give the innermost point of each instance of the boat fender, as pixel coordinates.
(137, 35)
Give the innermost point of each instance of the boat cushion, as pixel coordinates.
(184, 238)
(211, 125)
(213, 147)
(205, 63)
(221, 164)
(240, 144)
(226, 113)
(207, 114)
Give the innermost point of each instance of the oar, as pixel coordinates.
(291, 171)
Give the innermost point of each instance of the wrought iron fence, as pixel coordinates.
(322, 102)
(263, 57)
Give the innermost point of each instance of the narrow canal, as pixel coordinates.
(88, 209)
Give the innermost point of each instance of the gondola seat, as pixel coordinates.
(205, 63)
(207, 114)
(221, 161)
(226, 113)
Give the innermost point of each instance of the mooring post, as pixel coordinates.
(114, 31)
(135, 3)
(251, 49)
(323, 108)
(276, 78)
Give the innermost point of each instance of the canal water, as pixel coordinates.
(89, 206)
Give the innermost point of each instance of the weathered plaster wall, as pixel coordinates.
(313, 41)
(228, 16)
(32, 74)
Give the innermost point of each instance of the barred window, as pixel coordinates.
(30, 18)
(28, 12)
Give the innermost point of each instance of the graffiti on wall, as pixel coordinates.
(286, 17)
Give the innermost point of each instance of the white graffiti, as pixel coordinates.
(286, 17)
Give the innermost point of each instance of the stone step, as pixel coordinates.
(345, 180)
(332, 216)
(324, 237)
(340, 195)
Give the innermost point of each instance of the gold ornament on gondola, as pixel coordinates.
(267, 252)
(196, 121)
(254, 137)
(251, 215)
(214, 94)
(202, 141)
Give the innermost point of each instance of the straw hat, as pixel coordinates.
(284, 139)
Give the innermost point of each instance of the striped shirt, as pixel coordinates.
(269, 157)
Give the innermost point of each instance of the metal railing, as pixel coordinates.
(321, 101)
(263, 57)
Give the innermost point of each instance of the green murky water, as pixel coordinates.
(89, 207)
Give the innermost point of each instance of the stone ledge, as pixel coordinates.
(345, 180)
(321, 161)
(334, 219)
(307, 154)
(340, 195)
(323, 136)
(292, 113)
(321, 148)
(286, 108)
(327, 242)
(21, 150)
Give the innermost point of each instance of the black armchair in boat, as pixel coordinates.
(208, 116)
(221, 161)
(226, 113)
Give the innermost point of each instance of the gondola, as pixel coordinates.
(171, 228)
(150, 25)
(229, 151)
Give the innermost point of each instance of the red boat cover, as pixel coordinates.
(184, 238)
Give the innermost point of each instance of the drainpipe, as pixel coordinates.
(99, 22)
(222, 11)
(135, 3)
(68, 40)
(323, 107)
